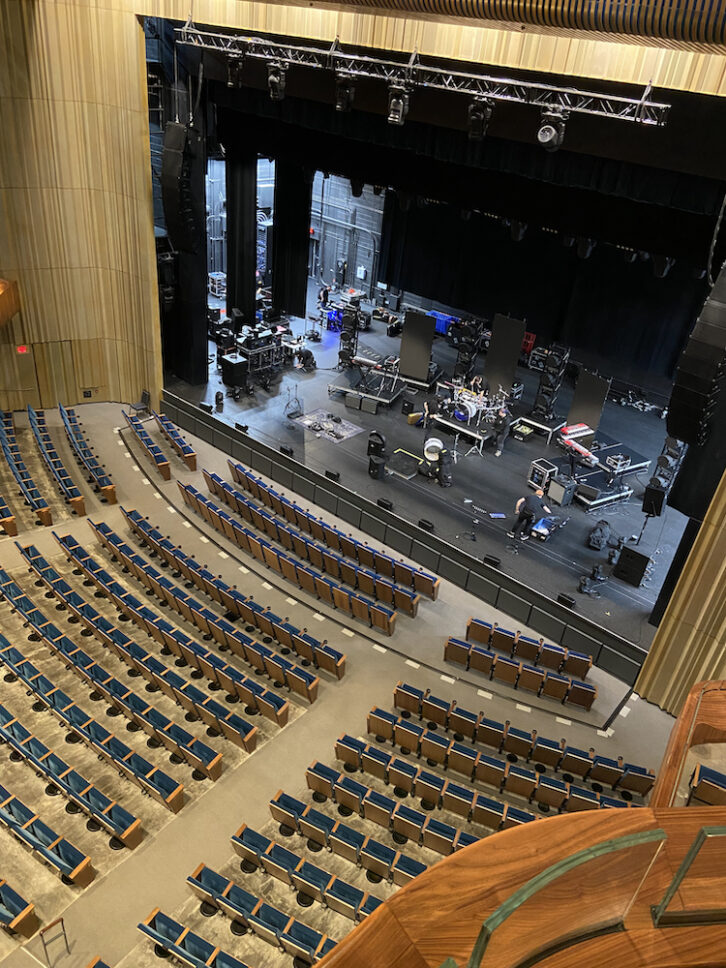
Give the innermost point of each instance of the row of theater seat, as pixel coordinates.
(402, 573)
(707, 786)
(319, 555)
(519, 675)
(175, 438)
(343, 841)
(155, 454)
(279, 668)
(28, 488)
(310, 649)
(86, 457)
(412, 824)
(193, 700)
(504, 737)
(58, 853)
(536, 651)
(7, 518)
(311, 881)
(114, 818)
(17, 915)
(267, 922)
(375, 614)
(121, 757)
(503, 775)
(68, 488)
(137, 709)
(184, 945)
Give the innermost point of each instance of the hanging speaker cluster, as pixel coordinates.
(666, 468)
(550, 381)
(700, 371)
(470, 334)
(182, 206)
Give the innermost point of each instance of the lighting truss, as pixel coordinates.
(417, 73)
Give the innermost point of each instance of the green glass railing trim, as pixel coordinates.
(704, 834)
(548, 876)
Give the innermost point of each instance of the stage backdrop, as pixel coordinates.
(602, 304)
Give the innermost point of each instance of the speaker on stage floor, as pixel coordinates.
(631, 567)
(377, 468)
(567, 600)
(653, 500)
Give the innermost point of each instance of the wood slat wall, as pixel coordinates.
(75, 201)
(690, 644)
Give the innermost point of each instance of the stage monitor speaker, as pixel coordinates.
(333, 476)
(426, 525)
(653, 500)
(407, 406)
(631, 567)
(353, 401)
(588, 491)
(384, 503)
(377, 468)
(182, 211)
(492, 560)
(287, 451)
(243, 428)
(567, 600)
(206, 407)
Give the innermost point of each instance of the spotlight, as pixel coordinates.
(344, 94)
(551, 133)
(234, 72)
(662, 265)
(585, 247)
(276, 80)
(397, 104)
(480, 113)
(356, 187)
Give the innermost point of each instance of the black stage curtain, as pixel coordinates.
(602, 305)
(291, 236)
(241, 175)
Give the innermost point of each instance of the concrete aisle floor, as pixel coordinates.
(103, 918)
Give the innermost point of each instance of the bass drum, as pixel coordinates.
(465, 411)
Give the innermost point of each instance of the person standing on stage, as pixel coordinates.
(432, 405)
(501, 425)
(323, 296)
(529, 509)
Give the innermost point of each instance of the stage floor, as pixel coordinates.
(481, 484)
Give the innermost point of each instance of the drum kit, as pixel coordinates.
(469, 407)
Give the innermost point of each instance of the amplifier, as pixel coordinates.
(561, 491)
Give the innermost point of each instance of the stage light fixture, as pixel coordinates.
(551, 132)
(585, 247)
(397, 104)
(662, 265)
(276, 80)
(356, 187)
(479, 115)
(344, 94)
(234, 72)
(378, 189)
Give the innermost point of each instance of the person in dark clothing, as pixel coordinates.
(501, 426)
(306, 360)
(529, 509)
(323, 296)
(432, 405)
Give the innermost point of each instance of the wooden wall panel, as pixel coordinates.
(690, 644)
(76, 225)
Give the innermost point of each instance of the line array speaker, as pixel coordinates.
(700, 371)
(550, 381)
(182, 209)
